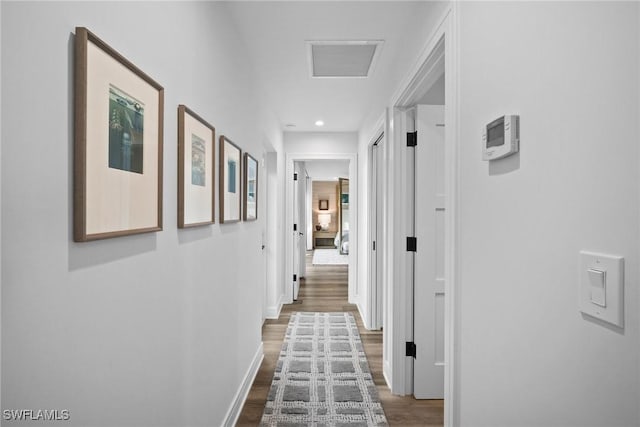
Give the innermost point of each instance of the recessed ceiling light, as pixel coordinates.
(319, 123)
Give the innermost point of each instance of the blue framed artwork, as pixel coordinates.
(196, 159)
(230, 169)
(118, 139)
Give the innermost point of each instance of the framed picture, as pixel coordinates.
(196, 159)
(323, 205)
(250, 188)
(118, 144)
(230, 200)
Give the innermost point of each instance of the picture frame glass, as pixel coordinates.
(230, 179)
(118, 144)
(251, 188)
(196, 157)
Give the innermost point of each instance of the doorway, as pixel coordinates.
(376, 232)
(438, 62)
(295, 197)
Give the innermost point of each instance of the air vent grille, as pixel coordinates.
(343, 59)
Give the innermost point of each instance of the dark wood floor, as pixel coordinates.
(325, 289)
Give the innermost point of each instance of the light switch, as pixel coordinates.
(598, 282)
(602, 287)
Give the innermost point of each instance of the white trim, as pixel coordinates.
(362, 316)
(353, 227)
(370, 283)
(273, 312)
(231, 418)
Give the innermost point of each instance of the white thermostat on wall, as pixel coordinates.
(501, 138)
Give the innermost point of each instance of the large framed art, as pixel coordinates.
(118, 144)
(250, 181)
(196, 159)
(230, 165)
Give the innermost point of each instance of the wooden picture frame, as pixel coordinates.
(196, 167)
(250, 185)
(118, 144)
(323, 205)
(230, 185)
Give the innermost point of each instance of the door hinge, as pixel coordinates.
(412, 139)
(295, 227)
(374, 245)
(295, 176)
(411, 349)
(412, 244)
(295, 277)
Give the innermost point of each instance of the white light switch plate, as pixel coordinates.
(610, 306)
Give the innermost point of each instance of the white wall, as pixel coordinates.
(320, 142)
(405, 64)
(1, 98)
(326, 170)
(275, 273)
(273, 200)
(527, 356)
(156, 329)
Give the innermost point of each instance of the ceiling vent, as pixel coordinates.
(343, 58)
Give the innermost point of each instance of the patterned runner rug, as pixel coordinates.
(322, 377)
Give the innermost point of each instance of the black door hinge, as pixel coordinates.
(374, 245)
(295, 176)
(295, 277)
(411, 350)
(412, 244)
(295, 227)
(412, 139)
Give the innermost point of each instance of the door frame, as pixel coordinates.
(440, 52)
(353, 227)
(375, 288)
(295, 240)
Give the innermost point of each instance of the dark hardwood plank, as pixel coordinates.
(325, 289)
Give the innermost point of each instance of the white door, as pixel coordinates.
(429, 258)
(296, 235)
(376, 218)
(302, 221)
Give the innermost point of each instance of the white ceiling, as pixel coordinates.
(275, 34)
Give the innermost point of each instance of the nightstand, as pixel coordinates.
(324, 239)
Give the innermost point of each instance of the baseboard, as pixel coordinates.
(365, 319)
(386, 368)
(273, 312)
(233, 413)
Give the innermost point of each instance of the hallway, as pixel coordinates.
(325, 289)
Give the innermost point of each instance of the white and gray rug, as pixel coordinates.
(329, 257)
(322, 377)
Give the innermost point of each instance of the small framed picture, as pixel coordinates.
(118, 144)
(323, 205)
(250, 188)
(196, 159)
(230, 200)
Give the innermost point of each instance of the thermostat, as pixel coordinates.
(501, 138)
